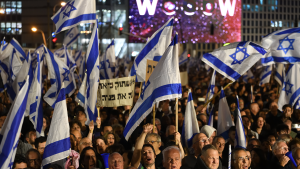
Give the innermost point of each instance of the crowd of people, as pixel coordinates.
(270, 133)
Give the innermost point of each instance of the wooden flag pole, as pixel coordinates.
(153, 111)
(176, 117)
(98, 109)
(141, 85)
(217, 94)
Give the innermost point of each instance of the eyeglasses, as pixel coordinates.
(242, 158)
(33, 160)
(284, 148)
(204, 140)
(151, 142)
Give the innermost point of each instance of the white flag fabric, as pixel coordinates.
(224, 116)
(11, 129)
(78, 58)
(210, 93)
(183, 58)
(8, 49)
(248, 75)
(240, 138)
(279, 73)
(80, 97)
(92, 81)
(153, 50)
(58, 144)
(74, 13)
(283, 47)
(57, 72)
(291, 87)
(34, 106)
(108, 61)
(69, 81)
(265, 75)
(233, 60)
(71, 36)
(190, 123)
(164, 83)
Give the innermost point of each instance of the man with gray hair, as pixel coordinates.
(279, 159)
(115, 161)
(172, 157)
(240, 159)
(209, 158)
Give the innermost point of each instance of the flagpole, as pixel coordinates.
(140, 89)
(176, 116)
(153, 117)
(78, 76)
(98, 108)
(215, 95)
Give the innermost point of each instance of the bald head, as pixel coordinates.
(199, 141)
(254, 108)
(115, 161)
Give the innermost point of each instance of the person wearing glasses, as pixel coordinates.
(199, 141)
(85, 142)
(279, 159)
(209, 158)
(40, 144)
(34, 159)
(239, 159)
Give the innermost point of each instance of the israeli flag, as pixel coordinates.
(211, 116)
(7, 50)
(74, 13)
(190, 123)
(183, 58)
(164, 83)
(283, 47)
(209, 94)
(3, 45)
(69, 80)
(248, 75)
(81, 71)
(153, 50)
(71, 36)
(224, 117)
(78, 58)
(108, 61)
(80, 97)
(92, 81)
(11, 129)
(34, 106)
(58, 144)
(240, 138)
(265, 75)
(58, 71)
(233, 60)
(291, 87)
(279, 73)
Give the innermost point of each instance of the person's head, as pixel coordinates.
(75, 125)
(76, 137)
(115, 161)
(85, 142)
(80, 115)
(155, 140)
(171, 157)
(34, 159)
(199, 141)
(106, 129)
(202, 117)
(257, 158)
(219, 143)
(148, 155)
(294, 144)
(253, 143)
(158, 124)
(100, 144)
(209, 131)
(246, 121)
(282, 129)
(260, 122)
(241, 103)
(296, 155)
(287, 110)
(231, 133)
(280, 148)
(40, 144)
(240, 160)
(31, 136)
(20, 162)
(210, 156)
(111, 138)
(171, 129)
(254, 108)
(273, 107)
(271, 139)
(127, 157)
(288, 122)
(88, 158)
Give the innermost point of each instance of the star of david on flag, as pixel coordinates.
(74, 13)
(291, 87)
(233, 60)
(282, 47)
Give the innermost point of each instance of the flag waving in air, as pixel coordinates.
(153, 50)
(108, 61)
(183, 58)
(265, 75)
(279, 73)
(11, 129)
(291, 87)
(190, 123)
(283, 47)
(233, 60)
(240, 138)
(74, 13)
(164, 83)
(71, 36)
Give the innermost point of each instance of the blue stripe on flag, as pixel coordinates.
(183, 61)
(258, 48)
(81, 97)
(57, 147)
(289, 59)
(73, 39)
(288, 31)
(19, 49)
(73, 21)
(165, 90)
(265, 75)
(69, 88)
(294, 96)
(278, 76)
(222, 66)
(57, 73)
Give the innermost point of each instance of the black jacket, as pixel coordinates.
(201, 165)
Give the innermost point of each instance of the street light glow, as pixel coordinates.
(62, 3)
(1, 11)
(34, 29)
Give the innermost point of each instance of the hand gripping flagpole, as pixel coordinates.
(215, 95)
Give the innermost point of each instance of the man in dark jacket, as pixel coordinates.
(209, 158)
